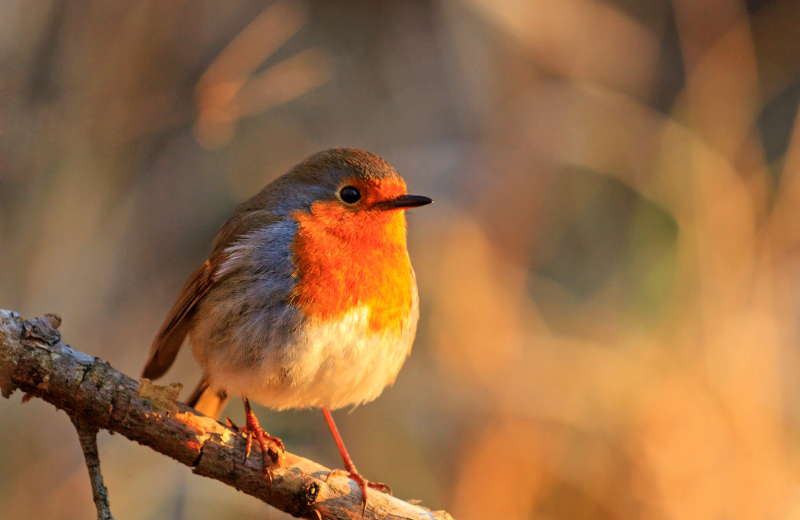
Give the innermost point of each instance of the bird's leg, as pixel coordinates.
(350, 468)
(270, 445)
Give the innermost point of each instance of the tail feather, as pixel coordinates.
(208, 401)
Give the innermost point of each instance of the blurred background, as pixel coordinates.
(609, 279)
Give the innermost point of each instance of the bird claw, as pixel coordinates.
(270, 446)
(362, 483)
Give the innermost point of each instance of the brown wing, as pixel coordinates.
(178, 322)
(176, 326)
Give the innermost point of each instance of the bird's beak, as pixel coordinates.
(404, 202)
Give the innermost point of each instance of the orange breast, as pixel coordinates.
(346, 259)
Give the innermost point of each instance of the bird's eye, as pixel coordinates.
(349, 194)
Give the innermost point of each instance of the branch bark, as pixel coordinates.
(95, 396)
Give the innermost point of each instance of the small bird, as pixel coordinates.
(308, 299)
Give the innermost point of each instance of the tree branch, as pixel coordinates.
(95, 396)
(87, 435)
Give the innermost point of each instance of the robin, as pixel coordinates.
(308, 299)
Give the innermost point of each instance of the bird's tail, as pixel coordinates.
(206, 400)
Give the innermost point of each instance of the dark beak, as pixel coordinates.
(404, 202)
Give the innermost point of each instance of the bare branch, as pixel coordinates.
(95, 396)
(88, 438)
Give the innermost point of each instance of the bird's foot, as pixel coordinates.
(270, 446)
(362, 483)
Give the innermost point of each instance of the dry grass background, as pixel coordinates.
(609, 279)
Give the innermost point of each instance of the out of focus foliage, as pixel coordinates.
(609, 278)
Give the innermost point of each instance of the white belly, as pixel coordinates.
(332, 364)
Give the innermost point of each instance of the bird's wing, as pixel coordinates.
(178, 322)
(176, 326)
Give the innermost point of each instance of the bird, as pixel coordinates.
(307, 300)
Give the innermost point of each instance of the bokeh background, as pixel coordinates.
(609, 279)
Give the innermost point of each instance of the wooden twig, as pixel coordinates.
(95, 396)
(88, 439)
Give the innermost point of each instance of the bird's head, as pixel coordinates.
(348, 192)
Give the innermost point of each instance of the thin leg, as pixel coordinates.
(270, 445)
(349, 467)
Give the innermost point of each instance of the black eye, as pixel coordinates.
(349, 194)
